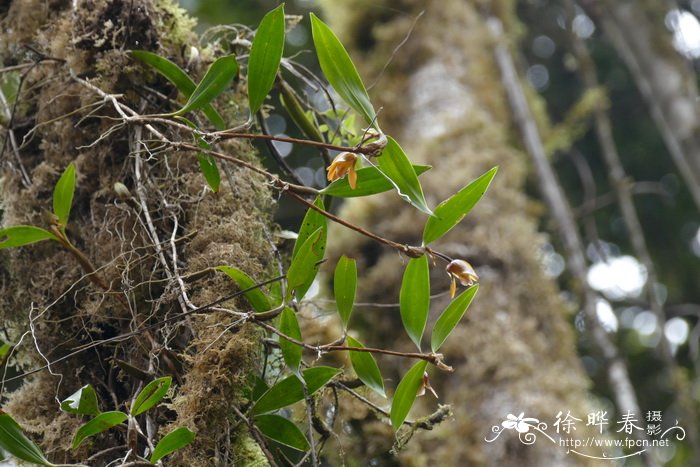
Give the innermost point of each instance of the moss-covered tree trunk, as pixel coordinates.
(515, 350)
(145, 246)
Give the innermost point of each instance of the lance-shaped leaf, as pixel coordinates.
(150, 395)
(63, 194)
(406, 394)
(289, 390)
(256, 297)
(171, 442)
(14, 442)
(312, 221)
(281, 430)
(414, 298)
(451, 211)
(289, 326)
(179, 78)
(345, 286)
(304, 267)
(215, 81)
(449, 318)
(207, 163)
(340, 70)
(366, 368)
(265, 56)
(394, 164)
(21, 235)
(102, 422)
(83, 402)
(370, 181)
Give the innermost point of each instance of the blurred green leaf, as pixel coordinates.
(171, 442)
(304, 267)
(21, 235)
(207, 165)
(414, 298)
(395, 165)
(369, 182)
(4, 350)
(256, 297)
(150, 395)
(406, 394)
(215, 81)
(14, 442)
(100, 423)
(281, 430)
(179, 78)
(289, 390)
(449, 318)
(291, 352)
(344, 286)
(83, 402)
(366, 368)
(340, 71)
(451, 211)
(63, 194)
(265, 56)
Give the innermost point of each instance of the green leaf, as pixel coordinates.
(291, 352)
(394, 164)
(344, 286)
(369, 182)
(366, 368)
(4, 349)
(207, 162)
(449, 318)
(21, 235)
(63, 194)
(281, 430)
(102, 422)
(83, 402)
(207, 165)
(451, 211)
(414, 298)
(14, 442)
(215, 81)
(171, 442)
(304, 267)
(265, 56)
(150, 395)
(406, 393)
(179, 78)
(289, 390)
(340, 71)
(256, 297)
(312, 221)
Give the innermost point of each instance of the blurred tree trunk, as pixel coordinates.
(514, 351)
(667, 83)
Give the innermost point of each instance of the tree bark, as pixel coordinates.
(152, 248)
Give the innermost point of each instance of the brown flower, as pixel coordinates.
(460, 270)
(343, 164)
(425, 384)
